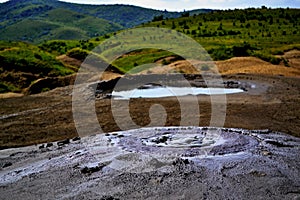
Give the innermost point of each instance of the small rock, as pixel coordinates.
(7, 164)
(278, 144)
(108, 198)
(162, 139)
(63, 142)
(76, 139)
(49, 145)
(181, 161)
(41, 147)
(91, 169)
(266, 153)
(257, 173)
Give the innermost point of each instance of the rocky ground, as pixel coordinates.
(155, 163)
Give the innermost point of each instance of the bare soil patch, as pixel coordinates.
(274, 104)
(237, 65)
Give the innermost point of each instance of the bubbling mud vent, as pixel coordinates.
(187, 142)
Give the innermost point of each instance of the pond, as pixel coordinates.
(159, 92)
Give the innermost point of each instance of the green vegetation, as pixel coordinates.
(252, 32)
(59, 47)
(21, 64)
(56, 24)
(38, 20)
(262, 33)
(137, 58)
(78, 54)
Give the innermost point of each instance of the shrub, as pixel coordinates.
(221, 53)
(45, 89)
(286, 62)
(4, 87)
(269, 58)
(78, 54)
(242, 50)
(157, 18)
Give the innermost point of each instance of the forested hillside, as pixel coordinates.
(257, 32)
(38, 20)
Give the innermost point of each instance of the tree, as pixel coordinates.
(157, 18)
(173, 25)
(220, 27)
(271, 21)
(283, 32)
(241, 50)
(185, 14)
(243, 19)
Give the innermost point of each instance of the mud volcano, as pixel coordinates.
(157, 163)
(188, 142)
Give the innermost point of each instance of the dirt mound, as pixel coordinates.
(293, 58)
(110, 73)
(69, 62)
(237, 65)
(49, 83)
(252, 65)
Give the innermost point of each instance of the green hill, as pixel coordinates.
(38, 20)
(250, 32)
(259, 32)
(36, 23)
(263, 33)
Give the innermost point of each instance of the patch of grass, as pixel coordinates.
(78, 54)
(269, 58)
(140, 57)
(6, 87)
(21, 64)
(59, 47)
(45, 89)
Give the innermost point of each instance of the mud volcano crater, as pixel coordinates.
(184, 141)
(157, 163)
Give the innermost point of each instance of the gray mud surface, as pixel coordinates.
(156, 163)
